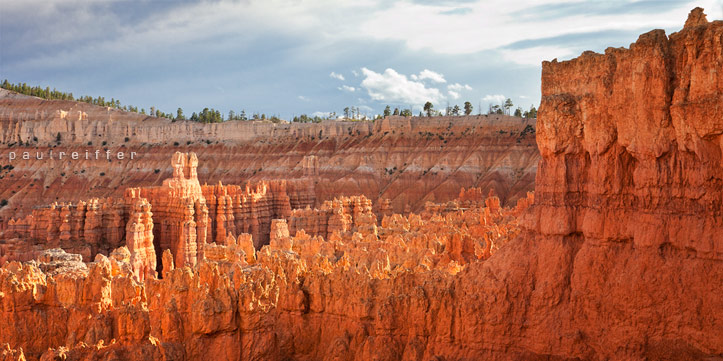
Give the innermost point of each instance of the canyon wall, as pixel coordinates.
(407, 160)
(629, 198)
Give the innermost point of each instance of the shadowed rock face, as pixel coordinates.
(619, 257)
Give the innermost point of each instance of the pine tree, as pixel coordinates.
(508, 104)
(467, 108)
(429, 108)
(455, 110)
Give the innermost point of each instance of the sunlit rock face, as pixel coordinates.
(628, 198)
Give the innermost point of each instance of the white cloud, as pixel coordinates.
(524, 97)
(453, 94)
(347, 88)
(356, 73)
(493, 24)
(494, 99)
(336, 76)
(393, 87)
(458, 87)
(431, 75)
(301, 97)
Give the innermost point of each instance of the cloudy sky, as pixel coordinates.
(288, 57)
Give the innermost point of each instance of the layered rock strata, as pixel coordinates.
(407, 160)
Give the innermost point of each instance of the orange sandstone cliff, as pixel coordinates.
(618, 256)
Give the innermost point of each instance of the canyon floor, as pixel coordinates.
(401, 239)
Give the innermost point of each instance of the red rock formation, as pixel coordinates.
(180, 221)
(340, 215)
(628, 200)
(8, 354)
(139, 240)
(249, 209)
(85, 227)
(385, 208)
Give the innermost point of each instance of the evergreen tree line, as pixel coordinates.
(205, 116)
(211, 115)
(507, 105)
(303, 118)
(466, 109)
(503, 108)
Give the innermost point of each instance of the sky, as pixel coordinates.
(314, 57)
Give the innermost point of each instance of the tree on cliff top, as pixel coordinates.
(467, 108)
(532, 113)
(508, 104)
(429, 108)
(455, 110)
